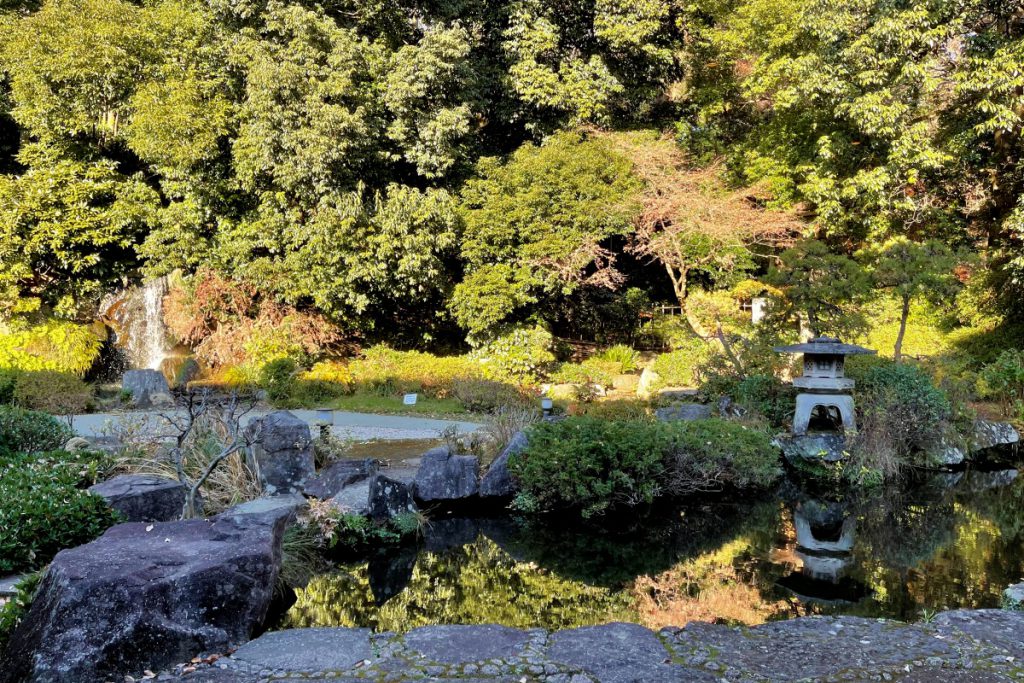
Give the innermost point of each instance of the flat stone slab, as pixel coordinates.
(1001, 629)
(307, 650)
(811, 647)
(618, 653)
(269, 509)
(143, 498)
(464, 644)
(336, 476)
(684, 412)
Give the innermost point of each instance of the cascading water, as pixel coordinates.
(136, 317)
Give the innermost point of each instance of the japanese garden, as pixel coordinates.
(594, 341)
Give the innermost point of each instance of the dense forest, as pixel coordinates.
(436, 171)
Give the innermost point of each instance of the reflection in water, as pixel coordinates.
(945, 543)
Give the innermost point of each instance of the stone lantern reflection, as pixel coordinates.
(823, 383)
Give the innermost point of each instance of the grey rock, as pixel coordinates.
(336, 476)
(989, 434)
(814, 648)
(992, 627)
(684, 411)
(389, 498)
(618, 653)
(283, 451)
(812, 447)
(268, 509)
(465, 644)
(146, 596)
(143, 498)
(443, 476)
(1013, 597)
(977, 481)
(354, 498)
(498, 482)
(148, 388)
(307, 650)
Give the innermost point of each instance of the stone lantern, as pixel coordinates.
(823, 382)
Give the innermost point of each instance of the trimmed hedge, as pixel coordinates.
(30, 431)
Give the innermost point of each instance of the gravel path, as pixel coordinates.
(346, 425)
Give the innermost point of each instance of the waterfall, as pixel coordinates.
(136, 317)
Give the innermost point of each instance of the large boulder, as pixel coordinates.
(811, 448)
(389, 498)
(283, 451)
(444, 476)
(143, 498)
(148, 388)
(380, 497)
(336, 476)
(498, 482)
(271, 510)
(146, 596)
(988, 434)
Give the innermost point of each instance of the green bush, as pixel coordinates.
(581, 373)
(683, 366)
(30, 431)
(388, 372)
(486, 396)
(591, 464)
(900, 402)
(8, 380)
(1003, 380)
(623, 357)
(55, 392)
(57, 346)
(46, 507)
(521, 355)
(710, 455)
(277, 378)
(763, 395)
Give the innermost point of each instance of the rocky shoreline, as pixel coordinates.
(962, 646)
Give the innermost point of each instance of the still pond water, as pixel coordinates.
(952, 540)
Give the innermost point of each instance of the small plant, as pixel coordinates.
(1003, 381)
(17, 607)
(126, 396)
(624, 358)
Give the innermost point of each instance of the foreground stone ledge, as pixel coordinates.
(962, 646)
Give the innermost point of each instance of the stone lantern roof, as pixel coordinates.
(825, 346)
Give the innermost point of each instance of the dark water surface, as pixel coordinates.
(951, 540)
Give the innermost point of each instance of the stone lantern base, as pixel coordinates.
(806, 403)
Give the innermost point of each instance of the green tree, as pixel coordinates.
(536, 224)
(913, 270)
(820, 290)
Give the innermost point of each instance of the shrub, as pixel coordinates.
(763, 395)
(581, 373)
(624, 358)
(277, 378)
(30, 431)
(1003, 381)
(709, 455)
(622, 409)
(55, 392)
(486, 396)
(683, 367)
(45, 507)
(521, 355)
(901, 401)
(8, 380)
(591, 464)
(332, 377)
(54, 345)
(386, 371)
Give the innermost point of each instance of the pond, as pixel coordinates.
(951, 540)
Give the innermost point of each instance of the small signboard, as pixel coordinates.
(410, 399)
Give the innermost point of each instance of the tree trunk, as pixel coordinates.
(897, 352)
